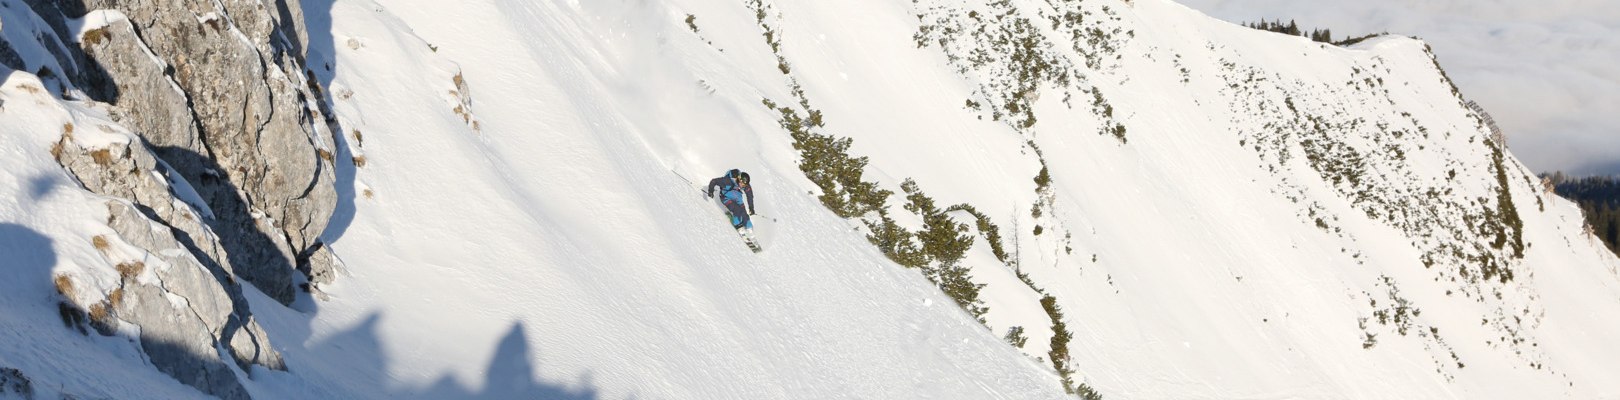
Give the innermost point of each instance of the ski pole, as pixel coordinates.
(689, 182)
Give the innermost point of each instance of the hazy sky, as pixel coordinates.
(1548, 71)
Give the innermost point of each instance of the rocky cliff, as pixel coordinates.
(226, 156)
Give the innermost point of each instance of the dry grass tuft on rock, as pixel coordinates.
(103, 157)
(115, 298)
(99, 312)
(56, 150)
(101, 318)
(59, 147)
(101, 243)
(129, 270)
(95, 36)
(64, 285)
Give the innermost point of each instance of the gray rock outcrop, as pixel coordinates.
(217, 88)
(178, 311)
(231, 176)
(189, 305)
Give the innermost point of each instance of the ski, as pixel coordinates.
(749, 239)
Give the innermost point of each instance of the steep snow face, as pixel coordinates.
(1289, 216)
(1217, 212)
(1231, 212)
(522, 223)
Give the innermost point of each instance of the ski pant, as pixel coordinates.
(739, 215)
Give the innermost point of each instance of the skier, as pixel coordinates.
(738, 198)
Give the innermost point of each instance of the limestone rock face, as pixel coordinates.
(176, 284)
(217, 88)
(175, 312)
(227, 173)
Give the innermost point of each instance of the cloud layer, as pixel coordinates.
(1547, 71)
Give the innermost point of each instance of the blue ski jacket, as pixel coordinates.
(731, 192)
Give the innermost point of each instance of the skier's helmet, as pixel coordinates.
(733, 173)
(742, 178)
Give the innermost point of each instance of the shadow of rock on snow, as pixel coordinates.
(40, 187)
(510, 376)
(319, 51)
(321, 64)
(359, 362)
(25, 256)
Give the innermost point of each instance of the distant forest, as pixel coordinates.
(1599, 198)
(1292, 28)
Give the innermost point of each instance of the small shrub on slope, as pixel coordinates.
(943, 239)
(955, 281)
(895, 242)
(1059, 354)
(825, 160)
(1015, 336)
(990, 231)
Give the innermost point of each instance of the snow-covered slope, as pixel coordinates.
(1224, 212)
(551, 220)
